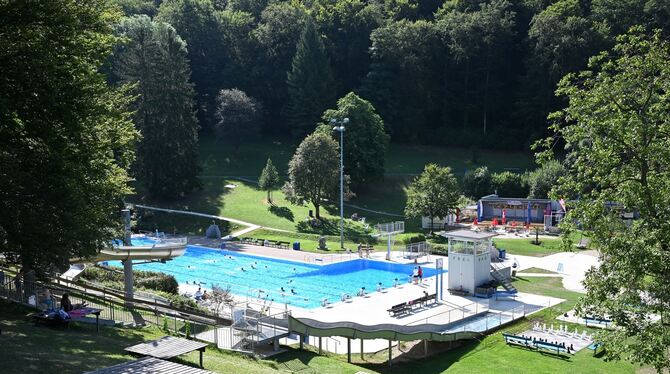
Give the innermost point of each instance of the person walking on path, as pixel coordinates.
(420, 275)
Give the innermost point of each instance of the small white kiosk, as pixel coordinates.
(469, 259)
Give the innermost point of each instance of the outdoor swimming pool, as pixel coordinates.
(264, 278)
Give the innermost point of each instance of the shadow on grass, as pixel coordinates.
(209, 200)
(31, 348)
(282, 211)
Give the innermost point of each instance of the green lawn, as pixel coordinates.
(247, 203)
(28, 348)
(538, 271)
(526, 247)
(248, 159)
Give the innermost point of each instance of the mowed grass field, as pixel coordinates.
(225, 163)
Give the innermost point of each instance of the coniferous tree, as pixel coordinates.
(310, 83)
(269, 179)
(155, 58)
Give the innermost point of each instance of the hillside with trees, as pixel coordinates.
(458, 72)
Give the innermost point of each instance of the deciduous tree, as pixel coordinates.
(314, 171)
(66, 137)
(365, 141)
(616, 131)
(238, 116)
(434, 193)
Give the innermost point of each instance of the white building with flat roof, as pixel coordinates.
(469, 259)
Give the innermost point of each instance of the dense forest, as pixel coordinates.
(458, 72)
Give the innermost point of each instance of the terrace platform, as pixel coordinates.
(372, 310)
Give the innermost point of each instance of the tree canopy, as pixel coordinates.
(365, 140)
(269, 179)
(314, 171)
(238, 116)
(155, 59)
(458, 72)
(616, 132)
(66, 139)
(310, 83)
(434, 194)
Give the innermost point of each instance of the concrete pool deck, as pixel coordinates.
(372, 310)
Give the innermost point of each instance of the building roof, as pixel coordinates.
(496, 198)
(469, 234)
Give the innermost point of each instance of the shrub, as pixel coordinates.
(439, 249)
(510, 184)
(161, 282)
(477, 182)
(543, 179)
(151, 280)
(411, 238)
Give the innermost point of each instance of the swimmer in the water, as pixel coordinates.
(252, 266)
(243, 269)
(283, 290)
(293, 269)
(293, 291)
(290, 281)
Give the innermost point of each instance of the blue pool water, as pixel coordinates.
(311, 283)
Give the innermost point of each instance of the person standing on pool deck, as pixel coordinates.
(420, 273)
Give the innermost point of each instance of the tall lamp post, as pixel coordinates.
(339, 126)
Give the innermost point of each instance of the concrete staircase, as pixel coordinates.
(504, 281)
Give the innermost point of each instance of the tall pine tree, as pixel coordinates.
(311, 87)
(155, 58)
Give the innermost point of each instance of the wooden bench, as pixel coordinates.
(428, 298)
(403, 308)
(518, 340)
(551, 347)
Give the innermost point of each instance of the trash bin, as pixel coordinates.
(296, 246)
(501, 253)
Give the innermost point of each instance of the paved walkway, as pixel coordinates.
(571, 266)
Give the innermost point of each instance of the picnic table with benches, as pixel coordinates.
(168, 347)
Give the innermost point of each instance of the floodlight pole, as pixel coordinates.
(340, 128)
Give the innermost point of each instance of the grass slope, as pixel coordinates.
(32, 349)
